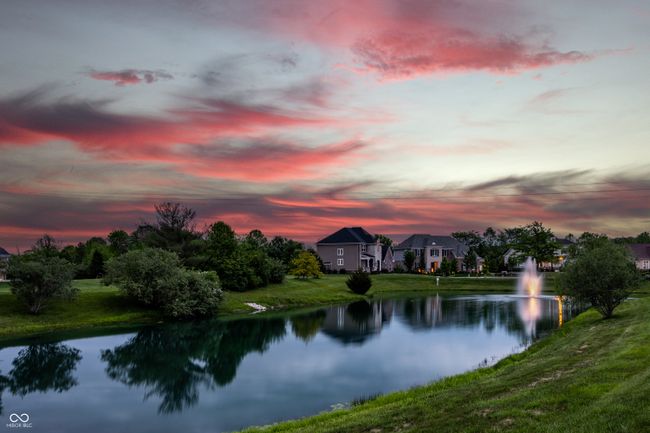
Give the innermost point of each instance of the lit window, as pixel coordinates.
(339, 251)
(339, 262)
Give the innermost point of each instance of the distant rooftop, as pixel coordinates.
(349, 235)
(419, 241)
(4, 252)
(640, 251)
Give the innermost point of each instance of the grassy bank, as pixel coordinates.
(100, 306)
(592, 375)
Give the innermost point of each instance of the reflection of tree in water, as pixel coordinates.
(172, 361)
(41, 368)
(360, 312)
(306, 326)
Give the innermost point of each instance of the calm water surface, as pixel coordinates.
(223, 376)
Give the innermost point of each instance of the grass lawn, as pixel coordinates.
(100, 306)
(592, 375)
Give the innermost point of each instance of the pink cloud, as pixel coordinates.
(126, 77)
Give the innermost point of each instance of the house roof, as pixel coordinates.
(4, 253)
(640, 251)
(349, 235)
(564, 241)
(421, 241)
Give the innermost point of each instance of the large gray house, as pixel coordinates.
(350, 248)
(4, 258)
(641, 254)
(434, 248)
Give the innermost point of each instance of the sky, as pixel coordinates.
(300, 117)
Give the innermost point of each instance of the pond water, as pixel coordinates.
(226, 375)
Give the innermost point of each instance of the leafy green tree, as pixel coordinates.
(256, 239)
(96, 267)
(173, 230)
(359, 282)
(284, 249)
(221, 243)
(156, 278)
(118, 241)
(602, 273)
(46, 246)
(409, 260)
(36, 279)
(384, 240)
(470, 261)
(538, 242)
(305, 266)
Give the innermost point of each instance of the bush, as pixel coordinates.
(156, 278)
(359, 282)
(305, 265)
(35, 279)
(601, 273)
(276, 271)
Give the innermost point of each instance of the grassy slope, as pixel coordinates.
(97, 305)
(593, 375)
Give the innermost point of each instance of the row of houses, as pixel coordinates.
(352, 248)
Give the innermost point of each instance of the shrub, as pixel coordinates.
(276, 271)
(359, 282)
(36, 278)
(156, 278)
(601, 273)
(305, 265)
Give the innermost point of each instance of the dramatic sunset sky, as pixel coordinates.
(299, 117)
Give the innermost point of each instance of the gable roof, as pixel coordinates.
(349, 235)
(640, 251)
(4, 252)
(384, 251)
(419, 241)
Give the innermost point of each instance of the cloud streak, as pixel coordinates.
(125, 77)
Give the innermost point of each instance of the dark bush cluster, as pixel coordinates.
(156, 278)
(359, 282)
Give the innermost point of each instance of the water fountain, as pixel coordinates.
(530, 282)
(529, 287)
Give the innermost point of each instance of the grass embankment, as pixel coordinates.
(592, 375)
(101, 306)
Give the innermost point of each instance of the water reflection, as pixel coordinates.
(41, 368)
(204, 371)
(172, 361)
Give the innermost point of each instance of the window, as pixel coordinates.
(339, 251)
(436, 252)
(417, 253)
(363, 248)
(339, 262)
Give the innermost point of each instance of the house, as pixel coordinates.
(433, 248)
(4, 259)
(641, 254)
(387, 259)
(350, 248)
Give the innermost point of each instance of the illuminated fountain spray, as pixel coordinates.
(530, 282)
(529, 286)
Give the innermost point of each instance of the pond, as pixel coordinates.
(226, 375)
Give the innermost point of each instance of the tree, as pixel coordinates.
(536, 241)
(305, 266)
(284, 249)
(470, 261)
(174, 217)
(36, 279)
(156, 278)
(46, 246)
(96, 267)
(256, 239)
(384, 240)
(409, 260)
(422, 265)
(221, 243)
(359, 282)
(118, 241)
(601, 273)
